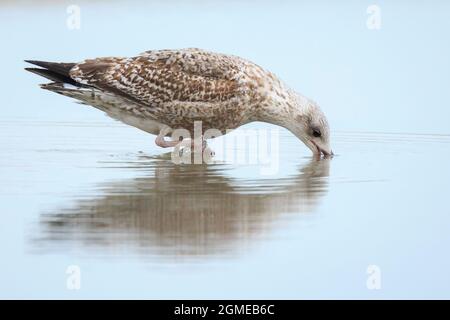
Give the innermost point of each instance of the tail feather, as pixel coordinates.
(84, 94)
(57, 67)
(54, 71)
(53, 76)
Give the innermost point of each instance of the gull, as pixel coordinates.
(161, 91)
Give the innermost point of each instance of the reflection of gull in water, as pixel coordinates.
(183, 210)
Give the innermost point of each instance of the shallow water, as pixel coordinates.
(79, 189)
(140, 226)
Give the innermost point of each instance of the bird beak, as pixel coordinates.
(327, 153)
(318, 150)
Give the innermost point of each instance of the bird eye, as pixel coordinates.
(316, 133)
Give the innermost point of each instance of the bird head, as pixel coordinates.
(311, 127)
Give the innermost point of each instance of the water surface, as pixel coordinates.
(78, 188)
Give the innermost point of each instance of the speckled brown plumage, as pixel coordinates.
(177, 87)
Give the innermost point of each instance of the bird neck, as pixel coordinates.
(283, 107)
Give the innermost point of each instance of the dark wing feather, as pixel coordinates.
(53, 76)
(57, 67)
(55, 71)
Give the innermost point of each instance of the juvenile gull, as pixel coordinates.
(159, 91)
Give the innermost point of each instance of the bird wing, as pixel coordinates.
(155, 77)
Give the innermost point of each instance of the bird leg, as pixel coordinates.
(203, 141)
(163, 143)
(181, 145)
(191, 147)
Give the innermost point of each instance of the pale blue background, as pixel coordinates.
(386, 201)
